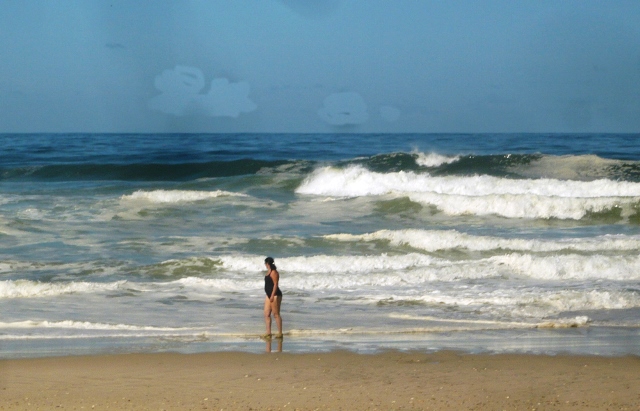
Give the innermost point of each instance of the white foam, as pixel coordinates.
(412, 269)
(30, 289)
(579, 321)
(348, 272)
(545, 303)
(434, 159)
(177, 196)
(219, 284)
(573, 266)
(62, 269)
(245, 273)
(83, 325)
(403, 273)
(525, 206)
(377, 331)
(519, 303)
(480, 195)
(437, 240)
(334, 272)
(357, 181)
(331, 264)
(459, 321)
(536, 302)
(31, 214)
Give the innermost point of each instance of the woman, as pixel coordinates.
(273, 299)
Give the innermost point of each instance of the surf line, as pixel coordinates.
(547, 324)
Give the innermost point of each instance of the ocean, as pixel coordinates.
(472, 242)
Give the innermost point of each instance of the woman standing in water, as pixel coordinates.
(273, 299)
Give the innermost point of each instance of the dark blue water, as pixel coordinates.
(40, 149)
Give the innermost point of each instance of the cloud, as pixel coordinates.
(181, 95)
(341, 109)
(389, 113)
(228, 99)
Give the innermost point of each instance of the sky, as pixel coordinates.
(314, 66)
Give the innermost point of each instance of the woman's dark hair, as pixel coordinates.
(270, 261)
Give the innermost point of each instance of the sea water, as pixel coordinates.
(142, 242)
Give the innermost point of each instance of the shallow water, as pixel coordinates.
(156, 242)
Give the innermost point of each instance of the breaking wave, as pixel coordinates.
(177, 196)
(438, 240)
(481, 195)
(83, 325)
(29, 289)
(434, 159)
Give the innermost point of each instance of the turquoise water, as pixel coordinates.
(517, 242)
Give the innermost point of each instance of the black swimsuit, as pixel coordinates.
(268, 286)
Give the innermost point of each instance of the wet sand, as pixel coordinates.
(336, 380)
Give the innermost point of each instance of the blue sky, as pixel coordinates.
(320, 66)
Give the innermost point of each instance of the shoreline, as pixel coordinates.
(591, 341)
(333, 380)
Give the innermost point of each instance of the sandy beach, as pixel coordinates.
(336, 380)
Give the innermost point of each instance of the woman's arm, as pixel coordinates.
(275, 276)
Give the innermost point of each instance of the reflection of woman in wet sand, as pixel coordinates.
(273, 299)
(270, 348)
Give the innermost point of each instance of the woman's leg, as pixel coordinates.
(275, 309)
(267, 315)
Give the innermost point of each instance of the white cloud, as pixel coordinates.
(181, 95)
(389, 113)
(228, 99)
(341, 109)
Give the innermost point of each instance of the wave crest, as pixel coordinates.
(177, 196)
(434, 159)
(29, 289)
(439, 240)
(481, 195)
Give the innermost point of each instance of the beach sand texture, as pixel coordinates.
(325, 381)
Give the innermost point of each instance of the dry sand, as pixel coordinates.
(337, 380)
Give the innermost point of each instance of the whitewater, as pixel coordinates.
(493, 243)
